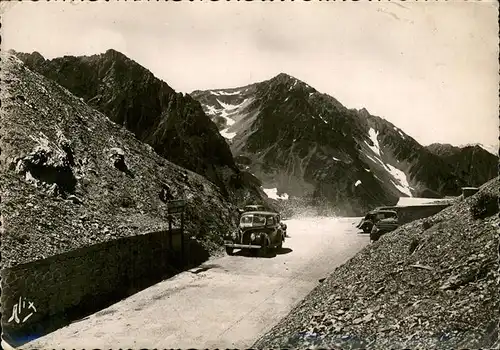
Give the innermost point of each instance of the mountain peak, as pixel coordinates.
(33, 58)
(285, 78)
(114, 54)
(363, 112)
(291, 82)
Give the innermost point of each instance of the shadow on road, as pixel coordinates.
(283, 251)
(129, 285)
(271, 253)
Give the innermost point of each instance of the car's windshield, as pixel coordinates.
(389, 215)
(252, 220)
(253, 207)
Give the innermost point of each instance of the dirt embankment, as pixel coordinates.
(431, 283)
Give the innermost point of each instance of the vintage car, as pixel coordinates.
(258, 231)
(260, 207)
(384, 221)
(253, 207)
(366, 223)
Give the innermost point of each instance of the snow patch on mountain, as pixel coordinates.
(224, 93)
(373, 137)
(273, 194)
(400, 177)
(401, 181)
(226, 134)
(374, 160)
(211, 110)
(227, 106)
(399, 132)
(227, 112)
(224, 114)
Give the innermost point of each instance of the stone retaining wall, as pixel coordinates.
(50, 293)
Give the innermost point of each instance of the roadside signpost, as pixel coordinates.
(176, 207)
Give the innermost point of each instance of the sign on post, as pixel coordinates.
(177, 206)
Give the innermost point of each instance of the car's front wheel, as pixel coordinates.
(280, 244)
(264, 250)
(374, 236)
(229, 250)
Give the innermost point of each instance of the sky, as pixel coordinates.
(430, 68)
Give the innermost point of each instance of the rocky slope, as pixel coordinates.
(71, 177)
(172, 123)
(432, 283)
(473, 163)
(300, 141)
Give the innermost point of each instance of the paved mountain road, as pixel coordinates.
(227, 302)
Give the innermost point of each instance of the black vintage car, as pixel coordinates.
(371, 217)
(385, 221)
(254, 207)
(258, 231)
(366, 223)
(260, 207)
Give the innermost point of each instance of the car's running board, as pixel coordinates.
(242, 246)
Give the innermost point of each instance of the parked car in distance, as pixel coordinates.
(366, 223)
(258, 231)
(385, 221)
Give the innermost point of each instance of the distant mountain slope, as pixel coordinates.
(443, 149)
(301, 141)
(72, 178)
(172, 123)
(491, 148)
(473, 163)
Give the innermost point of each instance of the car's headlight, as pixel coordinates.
(234, 235)
(252, 236)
